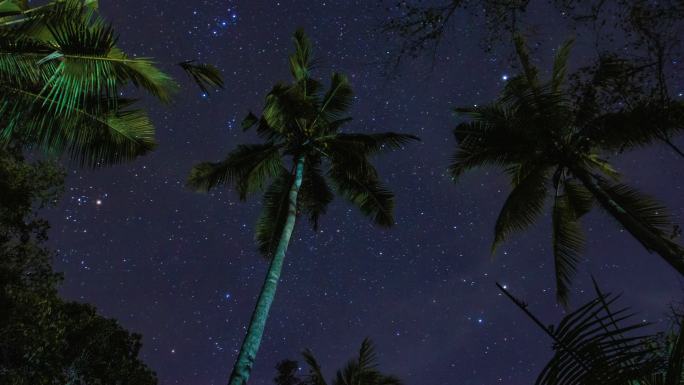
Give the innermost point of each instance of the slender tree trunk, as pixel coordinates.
(250, 345)
(648, 238)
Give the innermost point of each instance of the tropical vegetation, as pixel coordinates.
(551, 146)
(361, 370)
(65, 84)
(303, 150)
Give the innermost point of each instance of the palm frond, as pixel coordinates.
(315, 376)
(91, 63)
(523, 205)
(491, 138)
(206, 76)
(560, 65)
(301, 60)
(275, 209)
(642, 207)
(248, 168)
(568, 242)
(337, 100)
(579, 198)
(359, 184)
(315, 194)
(367, 357)
(596, 345)
(92, 135)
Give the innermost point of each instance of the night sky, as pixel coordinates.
(182, 268)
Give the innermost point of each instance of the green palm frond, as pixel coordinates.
(568, 242)
(93, 135)
(523, 205)
(337, 100)
(579, 198)
(560, 65)
(206, 76)
(357, 180)
(248, 168)
(10, 7)
(274, 214)
(315, 194)
(301, 61)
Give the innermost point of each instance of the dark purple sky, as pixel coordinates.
(182, 269)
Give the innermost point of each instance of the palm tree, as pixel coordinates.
(62, 78)
(595, 344)
(301, 123)
(362, 370)
(547, 146)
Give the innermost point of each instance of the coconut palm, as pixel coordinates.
(362, 370)
(595, 344)
(303, 150)
(546, 145)
(62, 78)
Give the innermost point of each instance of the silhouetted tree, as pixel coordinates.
(44, 339)
(300, 122)
(543, 140)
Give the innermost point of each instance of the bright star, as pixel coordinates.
(504, 77)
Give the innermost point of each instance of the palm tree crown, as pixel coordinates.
(63, 77)
(547, 146)
(302, 123)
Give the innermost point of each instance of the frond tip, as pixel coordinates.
(204, 75)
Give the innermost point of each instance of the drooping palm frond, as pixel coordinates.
(356, 180)
(248, 167)
(274, 213)
(642, 207)
(523, 205)
(491, 138)
(95, 135)
(204, 75)
(568, 242)
(316, 195)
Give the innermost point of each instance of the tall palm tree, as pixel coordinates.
(300, 127)
(596, 344)
(362, 370)
(62, 80)
(547, 146)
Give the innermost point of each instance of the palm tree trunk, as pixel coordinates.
(648, 238)
(250, 345)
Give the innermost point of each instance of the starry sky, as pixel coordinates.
(182, 268)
